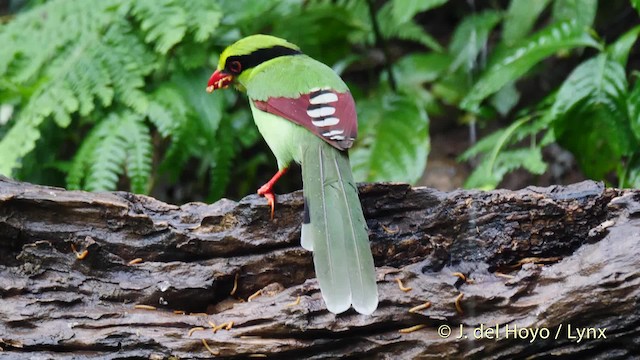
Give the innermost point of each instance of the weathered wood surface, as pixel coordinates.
(538, 258)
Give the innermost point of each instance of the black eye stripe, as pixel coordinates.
(258, 57)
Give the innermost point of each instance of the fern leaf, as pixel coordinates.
(391, 27)
(581, 11)
(490, 172)
(200, 117)
(511, 64)
(127, 65)
(633, 105)
(599, 140)
(186, 142)
(598, 81)
(394, 143)
(619, 50)
(405, 10)
(167, 110)
(590, 116)
(83, 158)
(109, 155)
(164, 25)
(208, 108)
(139, 152)
(631, 176)
(19, 141)
(80, 55)
(520, 18)
(484, 146)
(57, 23)
(166, 22)
(470, 37)
(204, 18)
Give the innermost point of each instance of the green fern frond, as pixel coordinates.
(393, 27)
(186, 142)
(83, 158)
(34, 37)
(520, 19)
(598, 81)
(122, 141)
(203, 18)
(67, 59)
(80, 56)
(127, 65)
(490, 172)
(139, 152)
(109, 155)
(470, 37)
(164, 25)
(484, 146)
(166, 22)
(582, 11)
(619, 49)
(167, 110)
(196, 134)
(405, 10)
(591, 115)
(510, 64)
(507, 149)
(18, 142)
(633, 106)
(391, 150)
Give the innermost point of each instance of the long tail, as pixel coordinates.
(335, 229)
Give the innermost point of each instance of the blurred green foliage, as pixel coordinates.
(109, 94)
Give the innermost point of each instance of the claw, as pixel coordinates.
(271, 201)
(266, 190)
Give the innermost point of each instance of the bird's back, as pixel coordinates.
(290, 76)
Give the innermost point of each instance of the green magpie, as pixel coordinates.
(306, 114)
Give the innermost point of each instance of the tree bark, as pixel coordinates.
(529, 273)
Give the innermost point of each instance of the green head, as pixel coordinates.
(239, 59)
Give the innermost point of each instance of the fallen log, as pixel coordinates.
(463, 274)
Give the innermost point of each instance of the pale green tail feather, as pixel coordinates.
(362, 273)
(306, 237)
(337, 232)
(329, 255)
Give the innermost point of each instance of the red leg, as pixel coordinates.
(266, 190)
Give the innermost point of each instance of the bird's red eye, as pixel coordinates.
(235, 67)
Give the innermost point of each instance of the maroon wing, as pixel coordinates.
(328, 114)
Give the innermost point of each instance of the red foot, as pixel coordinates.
(271, 201)
(266, 190)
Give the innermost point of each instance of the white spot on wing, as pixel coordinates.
(324, 98)
(333, 132)
(330, 121)
(321, 112)
(337, 137)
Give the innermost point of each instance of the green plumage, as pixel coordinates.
(290, 76)
(337, 230)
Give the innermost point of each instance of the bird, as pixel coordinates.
(306, 114)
